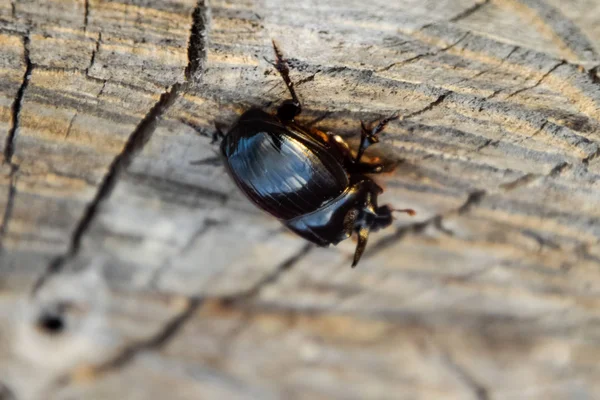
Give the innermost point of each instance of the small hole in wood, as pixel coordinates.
(51, 323)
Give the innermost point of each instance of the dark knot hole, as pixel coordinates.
(51, 323)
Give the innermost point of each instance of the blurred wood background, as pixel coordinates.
(166, 283)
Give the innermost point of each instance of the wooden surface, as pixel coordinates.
(171, 285)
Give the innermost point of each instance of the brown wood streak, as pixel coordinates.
(558, 83)
(541, 15)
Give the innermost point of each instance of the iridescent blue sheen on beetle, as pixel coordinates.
(310, 181)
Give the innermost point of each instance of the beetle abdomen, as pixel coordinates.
(280, 173)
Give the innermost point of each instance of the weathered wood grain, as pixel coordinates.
(491, 292)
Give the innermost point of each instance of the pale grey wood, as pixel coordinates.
(490, 292)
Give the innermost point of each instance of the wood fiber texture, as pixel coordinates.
(171, 285)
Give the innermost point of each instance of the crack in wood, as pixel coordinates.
(559, 169)
(94, 53)
(130, 351)
(136, 142)
(473, 199)
(521, 181)
(593, 74)
(485, 71)
(8, 209)
(591, 157)
(86, 14)
(539, 82)
(469, 11)
(197, 44)
(270, 279)
(427, 54)
(9, 147)
(429, 107)
(479, 391)
(68, 132)
(93, 78)
(18, 102)
(530, 178)
(134, 145)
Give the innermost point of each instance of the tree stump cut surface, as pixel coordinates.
(177, 287)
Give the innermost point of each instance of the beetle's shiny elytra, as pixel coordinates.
(310, 181)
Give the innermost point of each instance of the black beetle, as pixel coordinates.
(309, 180)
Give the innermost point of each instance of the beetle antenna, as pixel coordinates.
(363, 236)
(284, 70)
(408, 211)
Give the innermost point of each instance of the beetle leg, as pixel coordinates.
(369, 137)
(217, 135)
(213, 161)
(289, 109)
(349, 221)
(363, 236)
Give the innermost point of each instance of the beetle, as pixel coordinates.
(310, 180)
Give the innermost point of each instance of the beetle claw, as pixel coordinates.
(363, 236)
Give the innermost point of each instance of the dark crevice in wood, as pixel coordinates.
(68, 132)
(86, 14)
(539, 82)
(270, 278)
(9, 147)
(454, 96)
(559, 169)
(94, 52)
(517, 183)
(101, 92)
(591, 157)
(541, 241)
(473, 199)
(479, 391)
(593, 74)
(427, 54)
(134, 145)
(156, 342)
(529, 178)
(13, 9)
(196, 43)
(541, 129)
(469, 11)
(95, 79)
(12, 191)
(429, 107)
(307, 79)
(485, 71)
(487, 143)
